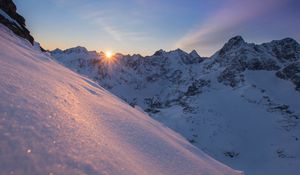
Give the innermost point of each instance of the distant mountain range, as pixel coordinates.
(240, 105)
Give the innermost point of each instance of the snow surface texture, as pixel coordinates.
(241, 106)
(53, 121)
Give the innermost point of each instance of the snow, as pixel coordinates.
(252, 126)
(53, 121)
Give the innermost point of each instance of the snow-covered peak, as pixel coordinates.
(286, 41)
(286, 49)
(239, 55)
(236, 40)
(179, 51)
(233, 43)
(78, 49)
(56, 51)
(194, 53)
(173, 54)
(159, 52)
(76, 54)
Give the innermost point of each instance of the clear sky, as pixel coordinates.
(144, 26)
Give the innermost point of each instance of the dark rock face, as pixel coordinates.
(10, 8)
(76, 50)
(234, 42)
(292, 73)
(286, 50)
(159, 53)
(237, 56)
(196, 87)
(231, 77)
(231, 154)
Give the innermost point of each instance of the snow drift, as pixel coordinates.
(53, 121)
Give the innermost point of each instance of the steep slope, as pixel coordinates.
(241, 106)
(53, 121)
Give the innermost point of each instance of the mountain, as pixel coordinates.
(54, 121)
(241, 105)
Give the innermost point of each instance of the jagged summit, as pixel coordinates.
(57, 51)
(159, 52)
(179, 51)
(236, 40)
(287, 40)
(162, 52)
(78, 49)
(194, 53)
(233, 43)
(286, 49)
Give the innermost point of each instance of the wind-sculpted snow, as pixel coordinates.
(241, 105)
(53, 121)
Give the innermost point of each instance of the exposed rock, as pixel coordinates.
(18, 27)
(282, 154)
(231, 154)
(159, 52)
(233, 43)
(292, 73)
(76, 50)
(196, 87)
(286, 49)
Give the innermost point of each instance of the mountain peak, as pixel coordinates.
(194, 53)
(56, 51)
(78, 49)
(159, 52)
(179, 50)
(233, 43)
(286, 41)
(237, 40)
(286, 49)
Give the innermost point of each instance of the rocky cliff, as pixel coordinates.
(11, 19)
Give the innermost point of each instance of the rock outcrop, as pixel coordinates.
(11, 19)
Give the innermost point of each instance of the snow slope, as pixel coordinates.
(53, 121)
(241, 106)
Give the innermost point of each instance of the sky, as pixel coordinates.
(145, 26)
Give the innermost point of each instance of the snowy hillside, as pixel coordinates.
(241, 106)
(53, 121)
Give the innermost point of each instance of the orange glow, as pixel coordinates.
(109, 58)
(108, 54)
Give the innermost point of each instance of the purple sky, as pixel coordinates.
(144, 26)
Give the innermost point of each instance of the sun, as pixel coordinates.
(109, 57)
(108, 54)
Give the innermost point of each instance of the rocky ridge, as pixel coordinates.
(14, 21)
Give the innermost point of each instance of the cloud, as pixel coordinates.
(108, 20)
(235, 13)
(105, 22)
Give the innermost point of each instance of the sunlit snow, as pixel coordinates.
(53, 121)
